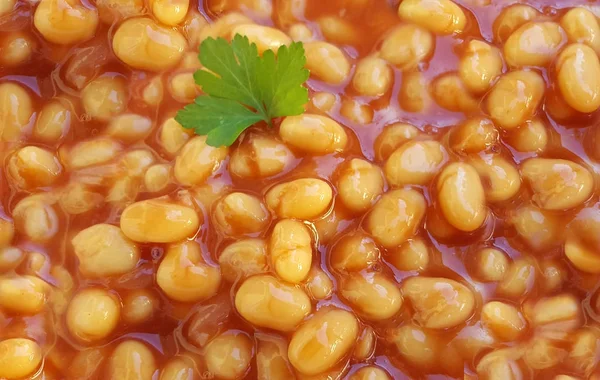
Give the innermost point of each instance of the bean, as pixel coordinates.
(158, 221)
(415, 163)
(360, 184)
(511, 18)
(16, 48)
(372, 77)
(417, 346)
(271, 358)
(370, 373)
(557, 184)
(578, 77)
(291, 250)
(501, 177)
(92, 152)
(184, 275)
(582, 26)
(338, 30)
(139, 306)
(23, 294)
(480, 65)
(260, 156)
(414, 92)
(518, 280)
(243, 259)
(305, 198)
(327, 62)
(534, 44)
(267, 302)
(19, 358)
(353, 253)
(265, 38)
(229, 355)
(311, 355)
(450, 93)
(505, 320)
(439, 16)
(372, 295)
(391, 138)
(461, 196)
(93, 314)
(473, 136)
(319, 285)
(538, 228)
(65, 21)
(103, 250)
(240, 214)
(529, 137)
(197, 161)
(412, 255)
(32, 167)
(16, 111)
(169, 12)
(396, 217)
(131, 360)
(407, 45)
(313, 134)
(438, 303)
(53, 123)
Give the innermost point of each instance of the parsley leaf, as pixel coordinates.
(242, 88)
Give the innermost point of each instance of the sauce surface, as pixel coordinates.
(434, 214)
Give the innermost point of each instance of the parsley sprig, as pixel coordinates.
(242, 88)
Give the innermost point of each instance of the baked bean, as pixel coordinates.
(310, 354)
(240, 214)
(581, 357)
(16, 111)
(582, 26)
(267, 302)
(131, 360)
(103, 250)
(7, 232)
(461, 196)
(228, 356)
(136, 162)
(223, 26)
(93, 314)
(327, 62)
(178, 369)
(271, 358)
(157, 177)
(19, 358)
(338, 30)
(104, 97)
(581, 256)
(472, 340)
(554, 273)
(480, 65)
(505, 321)
(53, 123)
(183, 88)
(414, 92)
(412, 255)
(396, 217)
(515, 98)
(372, 77)
(438, 226)
(32, 167)
(23, 294)
(124, 190)
(10, 258)
(578, 77)
(415, 163)
(370, 373)
(557, 184)
(16, 48)
(300, 32)
(365, 345)
(193, 25)
(541, 353)
(407, 45)
(313, 133)
(529, 137)
(474, 135)
(318, 284)
(512, 18)
(261, 156)
(139, 306)
(173, 136)
(538, 228)
(65, 21)
(586, 226)
(169, 12)
(450, 93)
(6, 6)
(322, 101)
(112, 11)
(359, 185)
(534, 44)
(439, 16)
(143, 44)
(501, 177)
(417, 346)
(264, 37)
(305, 198)
(158, 221)
(184, 275)
(291, 250)
(129, 128)
(152, 93)
(35, 218)
(518, 280)
(558, 314)
(243, 259)
(438, 303)
(501, 364)
(372, 295)
(353, 253)
(491, 264)
(557, 107)
(391, 137)
(197, 161)
(92, 152)
(356, 111)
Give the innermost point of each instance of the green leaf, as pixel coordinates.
(221, 120)
(242, 88)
